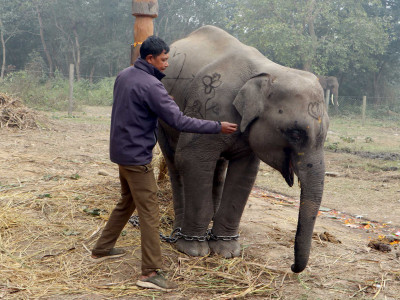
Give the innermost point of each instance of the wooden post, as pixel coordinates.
(364, 108)
(144, 11)
(71, 89)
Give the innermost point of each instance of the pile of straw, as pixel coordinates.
(13, 113)
(46, 234)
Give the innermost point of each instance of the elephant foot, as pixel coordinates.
(227, 249)
(193, 248)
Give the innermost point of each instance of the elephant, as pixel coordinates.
(281, 119)
(330, 83)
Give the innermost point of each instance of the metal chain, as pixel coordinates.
(214, 237)
(134, 220)
(194, 237)
(176, 234)
(173, 237)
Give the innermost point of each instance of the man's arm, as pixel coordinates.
(167, 110)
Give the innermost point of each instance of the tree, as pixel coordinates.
(95, 35)
(40, 7)
(386, 77)
(107, 47)
(326, 37)
(12, 12)
(177, 18)
(354, 40)
(70, 26)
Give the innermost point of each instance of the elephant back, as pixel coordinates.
(201, 48)
(209, 67)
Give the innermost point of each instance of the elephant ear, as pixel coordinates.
(249, 100)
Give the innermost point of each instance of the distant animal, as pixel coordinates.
(283, 122)
(330, 83)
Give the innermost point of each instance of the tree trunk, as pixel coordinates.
(376, 80)
(91, 74)
(3, 44)
(73, 54)
(307, 64)
(78, 55)
(48, 57)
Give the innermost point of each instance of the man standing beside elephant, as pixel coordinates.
(139, 100)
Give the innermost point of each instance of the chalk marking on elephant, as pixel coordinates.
(215, 107)
(178, 78)
(211, 83)
(180, 71)
(194, 110)
(315, 110)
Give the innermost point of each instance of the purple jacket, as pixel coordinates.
(139, 100)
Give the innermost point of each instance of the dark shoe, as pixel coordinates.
(114, 253)
(158, 282)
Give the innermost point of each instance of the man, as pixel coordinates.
(139, 100)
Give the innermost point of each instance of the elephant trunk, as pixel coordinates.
(311, 176)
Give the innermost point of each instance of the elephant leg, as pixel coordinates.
(197, 176)
(177, 194)
(239, 181)
(218, 184)
(174, 175)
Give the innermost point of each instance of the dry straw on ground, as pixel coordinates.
(48, 227)
(14, 114)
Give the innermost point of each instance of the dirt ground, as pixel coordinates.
(50, 179)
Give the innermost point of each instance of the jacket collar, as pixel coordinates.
(143, 65)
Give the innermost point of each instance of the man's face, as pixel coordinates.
(160, 62)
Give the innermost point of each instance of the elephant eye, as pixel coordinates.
(296, 136)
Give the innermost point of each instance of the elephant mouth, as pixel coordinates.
(287, 170)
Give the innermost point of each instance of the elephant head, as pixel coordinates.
(286, 121)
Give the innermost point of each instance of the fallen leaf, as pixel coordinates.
(68, 232)
(326, 236)
(93, 212)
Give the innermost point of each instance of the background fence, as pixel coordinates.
(352, 106)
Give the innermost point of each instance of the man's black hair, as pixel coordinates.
(153, 45)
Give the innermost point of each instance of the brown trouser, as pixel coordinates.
(138, 190)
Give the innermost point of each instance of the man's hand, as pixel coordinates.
(228, 128)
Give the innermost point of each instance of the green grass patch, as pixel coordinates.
(372, 166)
(82, 117)
(349, 135)
(52, 94)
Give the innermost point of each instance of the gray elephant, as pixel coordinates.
(330, 83)
(283, 122)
